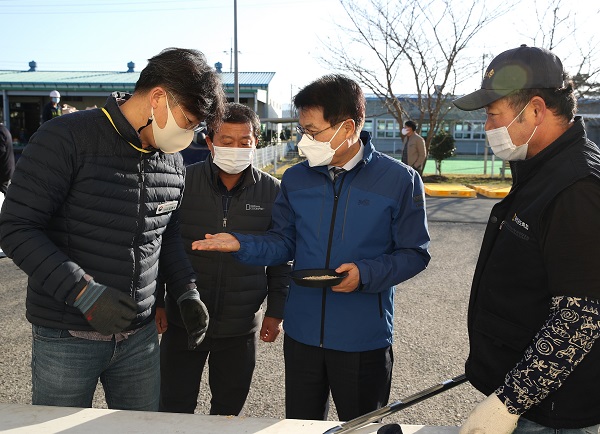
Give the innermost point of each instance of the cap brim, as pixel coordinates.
(480, 98)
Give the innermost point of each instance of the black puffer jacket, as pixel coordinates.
(233, 292)
(84, 200)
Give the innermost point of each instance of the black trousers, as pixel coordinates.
(359, 381)
(231, 364)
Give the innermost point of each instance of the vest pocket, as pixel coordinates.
(502, 332)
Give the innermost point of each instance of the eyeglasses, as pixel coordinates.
(311, 136)
(190, 126)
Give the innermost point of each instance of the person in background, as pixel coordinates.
(349, 208)
(225, 191)
(534, 312)
(197, 151)
(89, 213)
(7, 165)
(52, 109)
(414, 152)
(7, 159)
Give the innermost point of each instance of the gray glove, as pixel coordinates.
(195, 317)
(107, 310)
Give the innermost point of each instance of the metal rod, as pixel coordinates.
(382, 412)
(236, 81)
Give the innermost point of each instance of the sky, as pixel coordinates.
(282, 36)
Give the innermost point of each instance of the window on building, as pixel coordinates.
(469, 130)
(388, 128)
(368, 125)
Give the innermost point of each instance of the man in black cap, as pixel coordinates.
(534, 315)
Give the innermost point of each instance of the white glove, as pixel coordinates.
(490, 416)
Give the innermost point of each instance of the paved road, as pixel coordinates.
(430, 328)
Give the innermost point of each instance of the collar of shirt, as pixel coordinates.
(354, 160)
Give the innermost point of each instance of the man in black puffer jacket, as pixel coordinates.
(88, 216)
(225, 191)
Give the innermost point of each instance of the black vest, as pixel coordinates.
(510, 300)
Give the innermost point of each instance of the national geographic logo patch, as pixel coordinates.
(252, 207)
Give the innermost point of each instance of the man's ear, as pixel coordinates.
(210, 145)
(539, 109)
(155, 95)
(349, 128)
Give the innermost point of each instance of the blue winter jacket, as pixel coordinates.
(374, 216)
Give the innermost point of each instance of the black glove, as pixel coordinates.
(195, 317)
(107, 310)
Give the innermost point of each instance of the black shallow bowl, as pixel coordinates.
(300, 277)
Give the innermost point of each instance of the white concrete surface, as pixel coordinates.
(18, 418)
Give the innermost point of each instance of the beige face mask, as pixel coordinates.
(172, 138)
(502, 144)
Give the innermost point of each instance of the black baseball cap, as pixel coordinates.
(520, 68)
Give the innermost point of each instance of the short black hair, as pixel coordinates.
(340, 98)
(562, 101)
(236, 113)
(411, 124)
(186, 74)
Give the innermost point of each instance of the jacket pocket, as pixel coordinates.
(503, 332)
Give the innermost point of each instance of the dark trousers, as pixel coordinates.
(359, 381)
(230, 362)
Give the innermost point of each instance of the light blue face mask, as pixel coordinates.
(55, 100)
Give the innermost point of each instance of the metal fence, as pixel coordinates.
(272, 155)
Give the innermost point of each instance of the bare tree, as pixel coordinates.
(557, 27)
(425, 41)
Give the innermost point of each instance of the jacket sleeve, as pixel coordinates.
(278, 284)
(573, 327)
(39, 187)
(175, 267)
(421, 152)
(410, 235)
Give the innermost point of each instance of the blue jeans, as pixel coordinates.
(65, 369)
(528, 427)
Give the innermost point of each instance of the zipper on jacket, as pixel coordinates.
(217, 291)
(336, 197)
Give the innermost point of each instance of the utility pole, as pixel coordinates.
(236, 83)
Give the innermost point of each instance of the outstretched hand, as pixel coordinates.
(221, 242)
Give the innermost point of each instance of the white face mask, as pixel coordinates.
(172, 138)
(232, 160)
(55, 100)
(318, 153)
(502, 144)
(404, 131)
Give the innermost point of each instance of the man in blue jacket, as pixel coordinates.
(88, 215)
(350, 208)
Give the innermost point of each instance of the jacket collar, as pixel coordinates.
(248, 175)
(125, 129)
(369, 149)
(365, 137)
(523, 169)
